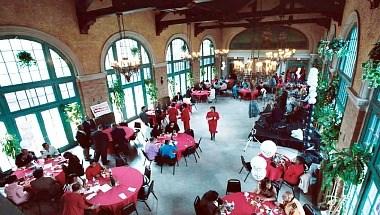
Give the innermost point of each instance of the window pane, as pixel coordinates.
(30, 132)
(60, 66)
(54, 127)
(139, 96)
(109, 59)
(129, 102)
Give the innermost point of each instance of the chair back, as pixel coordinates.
(145, 155)
(147, 173)
(137, 125)
(308, 210)
(189, 151)
(190, 132)
(196, 205)
(233, 186)
(247, 165)
(129, 209)
(199, 142)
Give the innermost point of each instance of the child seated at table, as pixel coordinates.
(94, 170)
(209, 204)
(15, 192)
(266, 190)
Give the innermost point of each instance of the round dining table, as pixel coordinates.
(245, 94)
(200, 95)
(128, 134)
(183, 140)
(52, 167)
(247, 203)
(129, 182)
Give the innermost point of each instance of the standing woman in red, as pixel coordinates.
(172, 113)
(185, 116)
(212, 118)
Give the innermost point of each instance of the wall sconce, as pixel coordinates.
(162, 80)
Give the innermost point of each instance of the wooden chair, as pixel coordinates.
(233, 186)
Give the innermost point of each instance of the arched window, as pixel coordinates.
(135, 95)
(207, 61)
(33, 98)
(346, 69)
(177, 68)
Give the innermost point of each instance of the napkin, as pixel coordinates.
(132, 189)
(122, 196)
(105, 187)
(90, 196)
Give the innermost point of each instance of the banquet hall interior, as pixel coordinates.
(180, 107)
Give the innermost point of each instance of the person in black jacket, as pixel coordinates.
(172, 127)
(178, 98)
(74, 165)
(88, 126)
(156, 131)
(209, 204)
(25, 158)
(84, 141)
(118, 139)
(100, 141)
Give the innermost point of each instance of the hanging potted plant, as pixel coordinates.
(118, 97)
(322, 47)
(152, 90)
(338, 47)
(371, 68)
(25, 59)
(10, 146)
(135, 51)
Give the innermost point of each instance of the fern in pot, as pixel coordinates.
(371, 68)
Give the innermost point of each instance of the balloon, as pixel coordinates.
(313, 94)
(268, 148)
(258, 162)
(259, 174)
(312, 100)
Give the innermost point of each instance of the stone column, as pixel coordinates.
(196, 71)
(160, 75)
(218, 65)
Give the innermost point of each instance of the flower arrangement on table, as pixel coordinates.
(258, 203)
(371, 68)
(227, 207)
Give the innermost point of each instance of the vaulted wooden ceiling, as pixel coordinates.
(209, 14)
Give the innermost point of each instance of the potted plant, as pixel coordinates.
(338, 47)
(371, 68)
(134, 51)
(184, 48)
(118, 97)
(25, 59)
(10, 146)
(322, 47)
(73, 113)
(152, 90)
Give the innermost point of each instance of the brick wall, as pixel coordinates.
(93, 92)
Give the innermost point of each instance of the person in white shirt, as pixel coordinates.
(15, 192)
(49, 151)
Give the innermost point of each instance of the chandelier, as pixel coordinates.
(126, 66)
(221, 52)
(280, 54)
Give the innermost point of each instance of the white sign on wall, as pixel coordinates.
(100, 109)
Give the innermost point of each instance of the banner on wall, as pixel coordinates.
(100, 109)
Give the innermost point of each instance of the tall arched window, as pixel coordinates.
(346, 69)
(135, 95)
(177, 68)
(33, 98)
(207, 60)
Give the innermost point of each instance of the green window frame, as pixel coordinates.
(177, 67)
(36, 91)
(135, 92)
(346, 69)
(207, 60)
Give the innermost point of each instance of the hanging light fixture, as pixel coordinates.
(193, 56)
(126, 66)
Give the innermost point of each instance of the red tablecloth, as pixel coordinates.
(245, 94)
(184, 141)
(52, 167)
(127, 177)
(128, 134)
(243, 207)
(200, 95)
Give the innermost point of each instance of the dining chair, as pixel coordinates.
(129, 209)
(199, 144)
(233, 186)
(245, 165)
(161, 161)
(144, 194)
(308, 209)
(197, 201)
(147, 175)
(146, 157)
(276, 186)
(190, 151)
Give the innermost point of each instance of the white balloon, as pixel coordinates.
(313, 94)
(258, 162)
(268, 148)
(312, 100)
(259, 174)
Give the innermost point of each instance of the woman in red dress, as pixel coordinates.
(185, 117)
(172, 113)
(212, 118)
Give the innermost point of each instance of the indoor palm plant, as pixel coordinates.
(25, 59)
(371, 68)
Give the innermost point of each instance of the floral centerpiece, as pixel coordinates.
(371, 68)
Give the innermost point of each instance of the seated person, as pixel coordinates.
(44, 184)
(156, 131)
(246, 84)
(94, 170)
(74, 165)
(294, 171)
(172, 127)
(168, 150)
(14, 191)
(188, 92)
(291, 205)
(177, 97)
(74, 202)
(49, 151)
(151, 148)
(266, 190)
(70, 181)
(25, 158)
(209, 204)
(206, 85)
